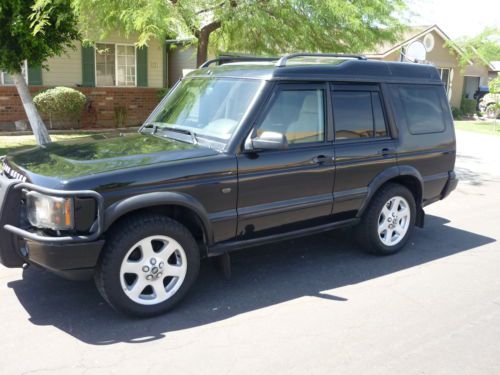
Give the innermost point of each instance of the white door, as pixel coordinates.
(471, 84)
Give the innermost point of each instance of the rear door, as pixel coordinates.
(280, 190)
(363, 145)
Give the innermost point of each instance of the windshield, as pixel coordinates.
(208, 107)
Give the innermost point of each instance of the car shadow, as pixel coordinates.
(263, 276)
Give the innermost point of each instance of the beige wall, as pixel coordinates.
(442, 57)
(155, 64)
(66, 70)
(394, 56)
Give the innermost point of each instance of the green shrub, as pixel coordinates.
(468, 106)
(457, 113)
(61, 103)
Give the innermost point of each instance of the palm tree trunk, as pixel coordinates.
(39, 130)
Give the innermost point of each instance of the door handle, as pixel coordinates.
(387, 151)
(320, 159)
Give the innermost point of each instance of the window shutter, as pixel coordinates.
(88, 66)
(142, 66)
(34, 75)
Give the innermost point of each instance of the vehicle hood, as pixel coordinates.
(100, 154)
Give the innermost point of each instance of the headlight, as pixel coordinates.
(45, 211)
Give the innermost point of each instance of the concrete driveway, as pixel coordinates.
(317, 305)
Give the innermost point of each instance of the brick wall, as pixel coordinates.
(99, 111)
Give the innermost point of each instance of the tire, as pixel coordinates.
(146, 251)
(388, 241)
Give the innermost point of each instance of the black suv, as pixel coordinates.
(236, 155)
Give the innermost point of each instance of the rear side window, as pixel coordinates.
(358, 114)
(423, 108)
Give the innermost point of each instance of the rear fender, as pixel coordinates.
(390, 174)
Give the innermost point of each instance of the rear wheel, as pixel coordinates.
(148, 264)
(388, 221)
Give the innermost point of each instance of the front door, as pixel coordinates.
(288, 189)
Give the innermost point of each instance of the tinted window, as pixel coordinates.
(299, 114)
(358, 114)
(423, 108)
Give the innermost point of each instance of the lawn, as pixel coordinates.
(485, 127)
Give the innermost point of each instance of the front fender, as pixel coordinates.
(137, 202)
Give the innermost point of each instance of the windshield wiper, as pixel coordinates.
(156, 127)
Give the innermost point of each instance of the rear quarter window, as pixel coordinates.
(423, 108)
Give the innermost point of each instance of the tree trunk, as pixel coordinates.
(203, 38)
(39, 130)
(202, 52)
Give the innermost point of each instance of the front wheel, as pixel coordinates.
(148, 264)
(388, 221)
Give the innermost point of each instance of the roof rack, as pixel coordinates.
(229, 59)
(283, 60)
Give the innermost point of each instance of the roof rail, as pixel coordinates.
(283, 60)
(228, 59)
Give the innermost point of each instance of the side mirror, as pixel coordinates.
(267, 141)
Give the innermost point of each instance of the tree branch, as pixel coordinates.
(211, 8)
(212, 26)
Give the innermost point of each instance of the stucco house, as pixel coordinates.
(460, 81)
(113, 75)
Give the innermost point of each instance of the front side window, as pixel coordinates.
(423, 109)
(208, 107)
(358, 114)
(6, 79)
(299, 114)
(115, 64)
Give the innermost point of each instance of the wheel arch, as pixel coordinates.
(405, 175)
(178, 206)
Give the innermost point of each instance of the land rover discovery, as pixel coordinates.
(239, 153)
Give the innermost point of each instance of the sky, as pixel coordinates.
(456, 17)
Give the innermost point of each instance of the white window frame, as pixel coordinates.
(2, 75)
(441, 76)
(116, 63)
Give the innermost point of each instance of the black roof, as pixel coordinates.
(343, 69)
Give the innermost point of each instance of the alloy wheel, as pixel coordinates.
(394, 221)
(153, 270)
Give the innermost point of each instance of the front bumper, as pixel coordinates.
(71, 256)
(72, 261)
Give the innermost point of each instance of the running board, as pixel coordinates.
(229, 246)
